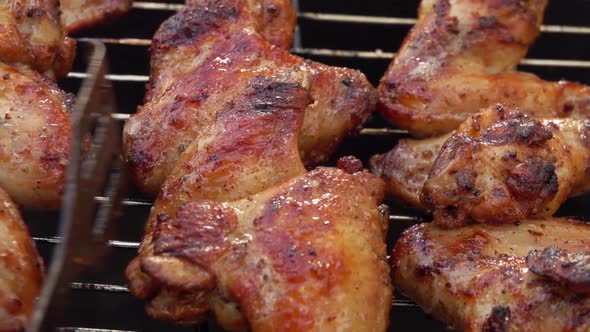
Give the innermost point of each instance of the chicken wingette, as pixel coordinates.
(305, 255)
(500, 166)
(35, 138)
(21, 269)
(209, 55)
(31, 34)
(461, 57)
(534, 276)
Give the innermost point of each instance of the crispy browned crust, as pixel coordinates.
(476, 278)
(501, 166)
(306, 255)
(31, 34)
(35, 138)
(569, 269)
(83, 14)
(21, 269)
(460, 57)
(221, 55)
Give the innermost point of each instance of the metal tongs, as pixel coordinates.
(85, 226)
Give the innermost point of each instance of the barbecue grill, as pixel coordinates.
(362, 35)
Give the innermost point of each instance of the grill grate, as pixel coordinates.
(353, 34)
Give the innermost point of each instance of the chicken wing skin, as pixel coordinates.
(252, 146)
(82, 14)
(305, 255)
(35, 135)
(223, 47)
(21, 269)
(406, 167)
(500, 166)
(476, 278)
(461, 56)
(31, 34)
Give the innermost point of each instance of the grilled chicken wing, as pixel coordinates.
(81, 14)
(306, 255)
(531, 277)
(21, 269)
(500, 166)
(212, 52)
(31, 34)
(35, 134)
(461, 56)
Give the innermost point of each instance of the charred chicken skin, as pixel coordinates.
(31, 34)
(530, 277)
(81, 14)
(21, 269)
(305, 255)
(35, 135)
(209, 55)
(500, 166)
(461, 57)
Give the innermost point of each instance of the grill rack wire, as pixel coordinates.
(348, 34)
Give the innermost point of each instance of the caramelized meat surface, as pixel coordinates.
(31, 34)
(461, 57)
(35, 135)
(251, 146)
(476, 278)
(82, 14)
(305, 255)
(500, 166)
(569, 269)
(206, 57)
(21, 269)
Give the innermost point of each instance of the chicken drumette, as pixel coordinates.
(500, 166)
(31, 34)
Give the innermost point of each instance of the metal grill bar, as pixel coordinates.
(111, 243)
(364, 131)
(122, 289)
(86, 329)
(376, 54)
(361, 19)
(99, 287)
